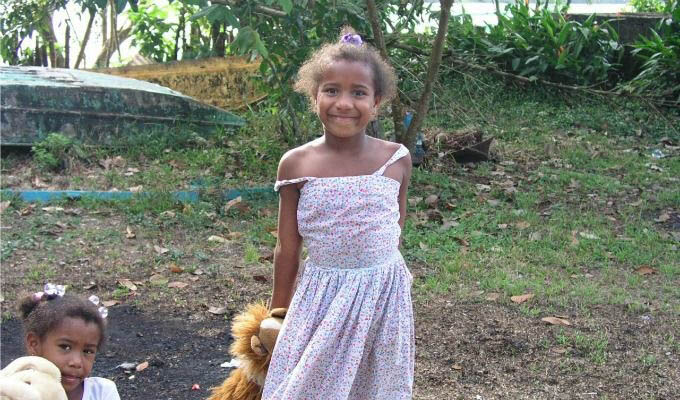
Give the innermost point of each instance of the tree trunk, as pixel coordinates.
(397, 106)
(37, 59)
(109, 47)
(81, 53)
(67, 47)
(432, 70)
(218, 39)
(44, 61)
(180, 29)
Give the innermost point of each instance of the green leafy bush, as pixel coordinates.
(56, 152)
(648, 5)
(542, 44)
(660, 53)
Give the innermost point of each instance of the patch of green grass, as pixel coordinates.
(592, 347)
(39, 273)
(251, 254)
(120, 293)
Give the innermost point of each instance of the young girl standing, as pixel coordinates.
(68, 331)
(349, 331)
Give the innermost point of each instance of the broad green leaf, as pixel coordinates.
(286, 5)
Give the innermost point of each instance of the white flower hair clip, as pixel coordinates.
(50, 291)
(103, 311)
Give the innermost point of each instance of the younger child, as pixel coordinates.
(348, 333)
(68, 331)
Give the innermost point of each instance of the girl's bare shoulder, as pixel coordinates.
(293, 161)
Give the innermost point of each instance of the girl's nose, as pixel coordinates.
(75, 361)
(344, 101)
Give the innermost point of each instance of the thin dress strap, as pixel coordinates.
(401, 152)
(284, 182)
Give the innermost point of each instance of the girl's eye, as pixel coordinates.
(359, 93)
(90, 352)
(331, 91)
(65, 347)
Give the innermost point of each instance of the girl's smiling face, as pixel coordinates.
(345, 99)
(72, 347)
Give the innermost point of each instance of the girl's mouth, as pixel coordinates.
(69, 380)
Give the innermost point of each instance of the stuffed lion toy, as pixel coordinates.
(255, 332)
(31, 378)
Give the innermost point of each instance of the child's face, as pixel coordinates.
(72, 347)
(345, 99)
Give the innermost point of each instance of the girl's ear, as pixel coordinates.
(33, 344)
(378, 100)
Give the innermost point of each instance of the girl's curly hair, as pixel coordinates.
(309, 75)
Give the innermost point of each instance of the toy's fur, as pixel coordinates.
(254, 331)
(31, 378)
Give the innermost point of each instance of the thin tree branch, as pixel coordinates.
(81, 53)
(263, 9)
(397, 107)
(432, 70)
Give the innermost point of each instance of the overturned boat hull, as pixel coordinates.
(94, 108)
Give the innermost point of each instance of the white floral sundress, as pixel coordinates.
(349, 329)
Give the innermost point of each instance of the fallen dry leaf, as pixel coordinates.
(588, 235)
(217, 310)
(422, 246)
(136, 189)
(522, 225)
(663, 217)
(39, 183)
(142, 366)
(52, 209)
(462, 242)
(645, 270)
(157, 278)
(110, 303)
(260, 278)
(128, 284)
(177, 285)
(413, 201)
(521, 298)
(160, 250)
(556, 321)
(129, 234)
(219, 239)
(558, 350)
(175, 269)
(235, 235)
(493, 296)
(232, 203)
(431, 200)
(168, 214)
(456, 367)
(4, 205)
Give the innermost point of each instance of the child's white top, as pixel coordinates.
(349, 330)
(100, 389)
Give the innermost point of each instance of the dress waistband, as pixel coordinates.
(348, 264)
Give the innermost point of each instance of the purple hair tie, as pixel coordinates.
(351, 38)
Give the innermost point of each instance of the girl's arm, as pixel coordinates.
(288, 244)
(403, 189)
